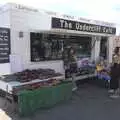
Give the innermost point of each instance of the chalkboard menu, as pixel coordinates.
(4, 45)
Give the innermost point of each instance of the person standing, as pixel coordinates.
(73, 66)
(115, 74)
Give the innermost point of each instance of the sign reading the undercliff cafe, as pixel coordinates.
(58, 23)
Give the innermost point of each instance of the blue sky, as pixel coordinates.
(105, 10)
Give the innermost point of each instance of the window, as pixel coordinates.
(52, 46)
(45, 47)
(103, 47)
(82, 45)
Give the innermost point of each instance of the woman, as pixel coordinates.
(72, 60)
(73, 66)
(115, 74)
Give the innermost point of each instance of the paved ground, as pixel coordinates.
(88, 103)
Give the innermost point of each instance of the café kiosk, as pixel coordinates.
(32, 38)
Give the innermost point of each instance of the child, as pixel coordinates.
(103, 72)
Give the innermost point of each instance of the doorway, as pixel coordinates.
(104, 48)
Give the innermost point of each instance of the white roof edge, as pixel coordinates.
(4, 7)
(71, 32)
(58, 15)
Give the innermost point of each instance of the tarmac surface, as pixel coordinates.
(89, 102)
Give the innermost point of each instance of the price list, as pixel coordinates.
(4, 45)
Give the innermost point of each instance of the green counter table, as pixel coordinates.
(46, 97)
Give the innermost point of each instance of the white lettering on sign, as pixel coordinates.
(26, 8)
(3, 32)
(1, 39)
(70, 25)
(51, 13)
(107, 30)
(61, 23)
(4, 49)
(103, 23)
(83, 19)
(104, 29)
(79, 26)
(110, 29)
(4, 58)
(86, 27)
(5, 38)
(3, 53)
(68, 16)
(4, 44)
(65, 24)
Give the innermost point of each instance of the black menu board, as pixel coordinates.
(4, 45)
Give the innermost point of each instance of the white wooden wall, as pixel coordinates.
(5, 23)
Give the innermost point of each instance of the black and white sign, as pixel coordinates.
(4, 45)
(58, 23)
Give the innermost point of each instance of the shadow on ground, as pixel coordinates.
(88, 103)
